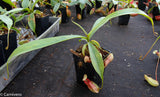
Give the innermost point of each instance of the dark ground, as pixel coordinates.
(52, 73)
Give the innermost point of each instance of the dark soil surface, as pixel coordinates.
(51, 73)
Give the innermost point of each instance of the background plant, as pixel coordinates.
(29, 9)
(6, 23)
(125, 3)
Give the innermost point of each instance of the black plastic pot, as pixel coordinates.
(42, 24)
(141, 5)
(155, 12)
(82, 12)
(98, 4)
(86, 68)
(12, 43)
(65, 18)
(124, 20)
(2, 55)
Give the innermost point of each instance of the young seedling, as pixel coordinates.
(93, 47)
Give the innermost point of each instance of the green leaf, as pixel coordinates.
(89, 3)
(56, 7)
(83, 49)
(2, 10)
(37, 44)
(25, 3)
(73, 3)
(96, 59)
(82, 1)
(37, 12)
(80, 27)
(94, 42)
(97, 22)
(34, 4)
(15, 29)
(9, 2)
(82, 6)
(100, 22)
(31, 22)
(53, 2)
(15, 10)
(19, 18)
(7, 21)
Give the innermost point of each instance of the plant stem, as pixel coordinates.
(150, 48)
(156, 68)
(79, 27)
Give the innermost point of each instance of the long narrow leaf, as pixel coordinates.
(82, 6)
(37, 44)
(19, 18)
(56, 7)
(15, 10)
(32, 22)
(2, 10)
(25, 3)
(9, 2)
(34, 4)
(98, 21)
(7, 21)
(80, 27)
(96, 59)
(116, 14)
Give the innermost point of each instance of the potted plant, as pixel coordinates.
(61, 9)
(91, 47)
(124, 20)
(81, 8)
(111, 6)
(153, 9)
(7, 33)
(37, 21)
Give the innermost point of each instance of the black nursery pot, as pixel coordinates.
(98, 4)
(2, 55)
(124, 20)
(86, 68)
(79, 11)
(12, 44)
(65, 18)
(155, 12)
(42, 24)
(141, 5)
